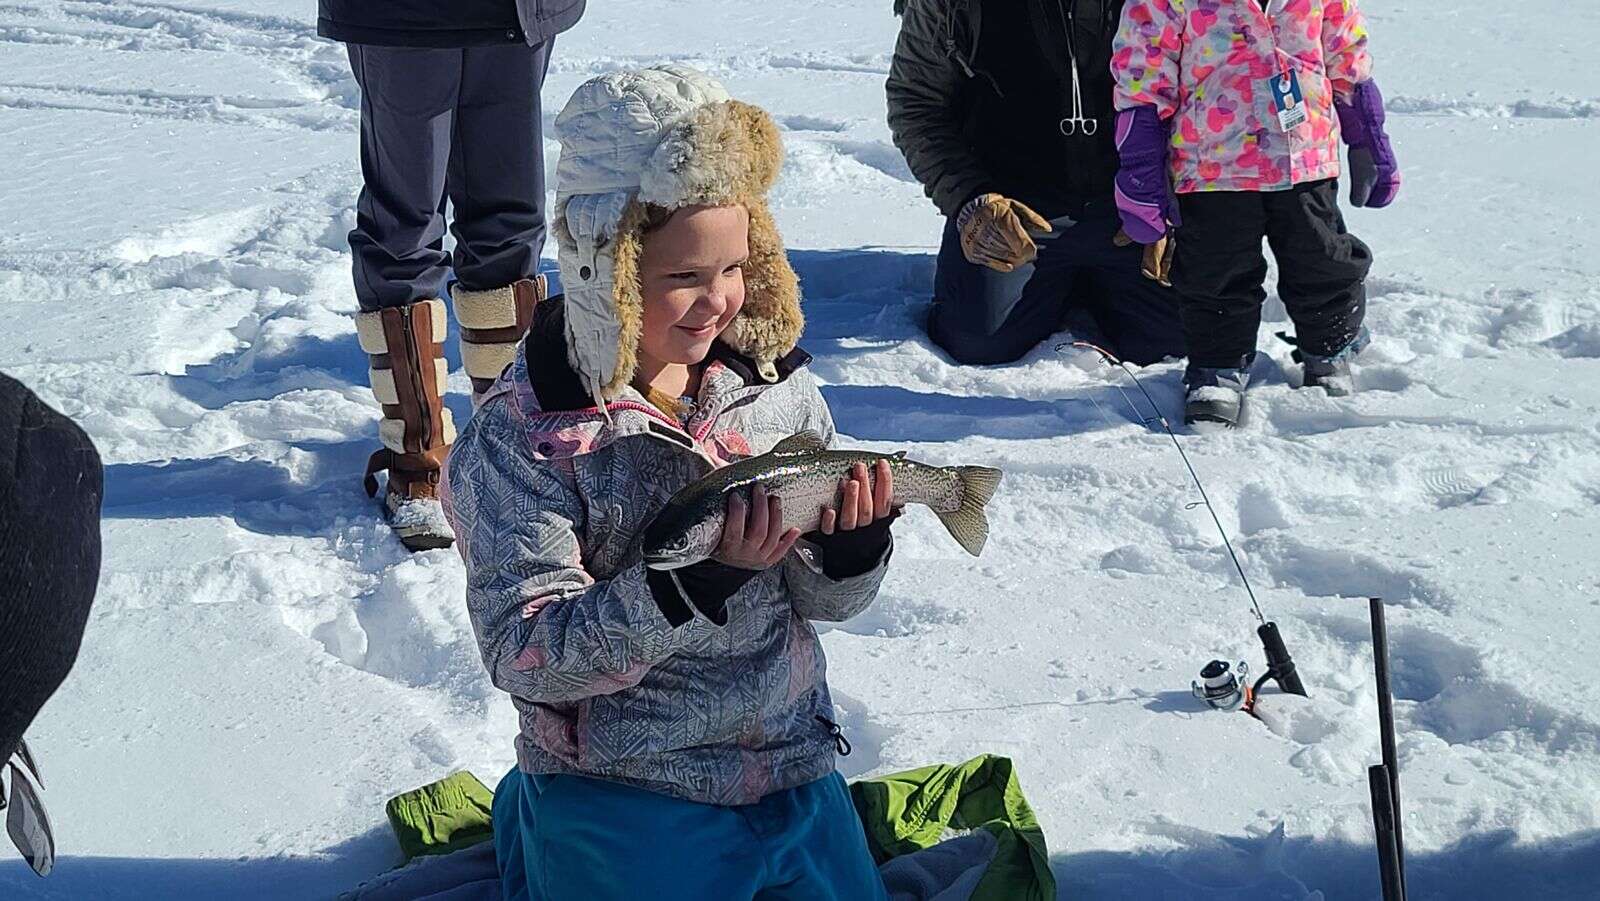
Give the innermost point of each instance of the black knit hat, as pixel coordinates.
(50, 487)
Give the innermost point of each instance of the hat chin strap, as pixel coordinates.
(600, 401)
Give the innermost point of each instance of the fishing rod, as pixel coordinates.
(1223, 687)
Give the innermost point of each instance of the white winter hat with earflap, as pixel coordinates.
(667, 137)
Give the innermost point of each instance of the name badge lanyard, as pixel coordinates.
(1077, 123)
(1288, 100)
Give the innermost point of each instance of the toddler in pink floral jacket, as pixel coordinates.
(1228, 126)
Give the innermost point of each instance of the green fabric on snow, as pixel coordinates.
(909, 811)
(901, 813)
(441, 817)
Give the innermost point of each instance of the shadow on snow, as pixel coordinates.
(1202, 866)
(324, 875)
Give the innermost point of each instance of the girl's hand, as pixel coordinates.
(753, 537)
(861, 502)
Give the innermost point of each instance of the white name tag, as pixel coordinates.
(1287, 100)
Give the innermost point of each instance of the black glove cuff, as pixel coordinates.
(846, 555)
(706, 586)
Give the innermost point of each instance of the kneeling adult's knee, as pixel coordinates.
(969, 348)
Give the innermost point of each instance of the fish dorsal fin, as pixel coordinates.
(898, 455)
(800, 443)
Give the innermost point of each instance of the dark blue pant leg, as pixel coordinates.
(981, 316)
(1080, 279)
(1137, 318)
(496, 173)
(408, 100)
(515, 851)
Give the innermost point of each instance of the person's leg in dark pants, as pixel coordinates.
(496, 171)
(496, 187)
(1137, 317)
(1322, 268)
(1220, 274)
(408, 103)
(981, 316)
(408, 113)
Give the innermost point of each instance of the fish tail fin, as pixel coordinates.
(968, 524)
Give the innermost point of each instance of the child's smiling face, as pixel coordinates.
(692, 277)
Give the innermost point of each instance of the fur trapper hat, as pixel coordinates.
(669, 137)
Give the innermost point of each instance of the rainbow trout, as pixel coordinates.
(806, 475)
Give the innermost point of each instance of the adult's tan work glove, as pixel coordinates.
(994, 232)
(1157, 263)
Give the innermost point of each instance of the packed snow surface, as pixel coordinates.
(265, 665)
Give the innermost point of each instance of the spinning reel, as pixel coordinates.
(1223, 686)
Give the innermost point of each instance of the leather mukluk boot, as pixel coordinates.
(408, 371)
(492, 325)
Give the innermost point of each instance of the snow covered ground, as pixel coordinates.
(265, 666)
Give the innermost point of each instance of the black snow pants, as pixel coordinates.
(50, 489)
(1220, 271)
(459, 124)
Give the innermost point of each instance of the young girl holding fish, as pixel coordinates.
(677, 738)
(1237, 106)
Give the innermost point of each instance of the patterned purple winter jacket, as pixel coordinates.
(549, 502)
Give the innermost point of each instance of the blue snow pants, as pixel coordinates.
(571, 837)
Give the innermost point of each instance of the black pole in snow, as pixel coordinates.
(1383, 821)
(1391, 763)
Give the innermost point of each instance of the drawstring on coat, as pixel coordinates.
(840, 743)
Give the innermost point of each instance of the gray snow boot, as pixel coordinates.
(1331, 373)
(1215, 395)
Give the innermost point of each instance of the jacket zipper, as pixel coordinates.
(1280, 59)
(414, 354)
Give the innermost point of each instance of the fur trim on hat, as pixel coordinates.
(627, 294)
(722, 153)
(771, 322)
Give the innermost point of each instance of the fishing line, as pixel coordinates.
(1102, 411)
(1021, 705)
(1205, 500)
(1280, 664)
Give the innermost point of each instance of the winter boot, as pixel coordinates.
(1332, 374)
(408, 374)
(492, 325)
(1215, 395)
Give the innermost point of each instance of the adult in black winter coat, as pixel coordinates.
(50, 489)
(1003, 111)
(450, 111)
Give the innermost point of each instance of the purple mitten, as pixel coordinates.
(1374, 174)
(1143, 191)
